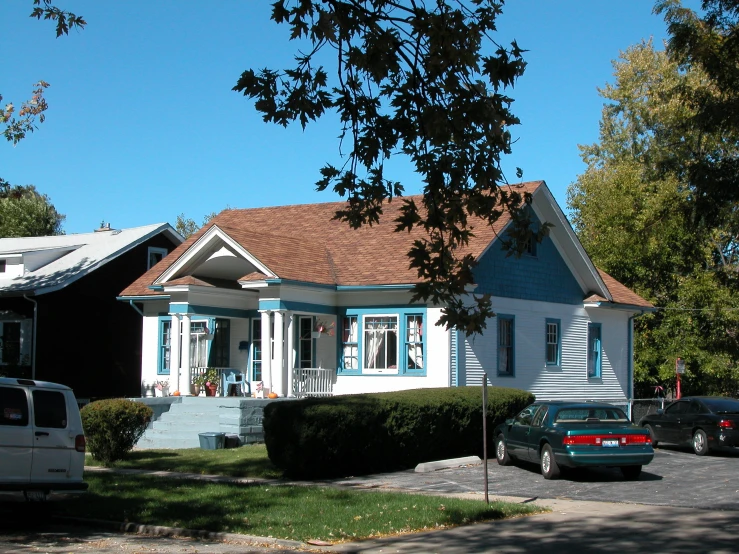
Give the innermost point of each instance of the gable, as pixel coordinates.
(543, 277)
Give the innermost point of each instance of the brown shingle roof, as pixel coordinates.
(621, 294)
(303, 243)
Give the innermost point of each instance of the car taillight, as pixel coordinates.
(79, 443)
(726, 424)
(597, 440)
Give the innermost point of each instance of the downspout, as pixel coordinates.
(135, 307)
(33, 339)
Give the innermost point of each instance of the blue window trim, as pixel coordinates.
(161, 370)
(512, 319)
(404, 354)
(595, 345)
(402, 313)
(253, 322)
(558, 323)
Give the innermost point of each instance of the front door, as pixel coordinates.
(53, 442)
(305, 342)
(518, 433)
(16, 436)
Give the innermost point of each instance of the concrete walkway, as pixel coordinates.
(572, 526)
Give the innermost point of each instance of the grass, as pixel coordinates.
(247, 461)
(286, 512)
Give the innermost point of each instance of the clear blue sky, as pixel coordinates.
(143, 125)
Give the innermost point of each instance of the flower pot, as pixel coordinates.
(210, 390)
(315, 334)
(196, 390)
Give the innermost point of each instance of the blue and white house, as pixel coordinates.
(294, 303)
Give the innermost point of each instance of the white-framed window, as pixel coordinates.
(380, 343)
(200, 336)
(10, 342)
(155, 255)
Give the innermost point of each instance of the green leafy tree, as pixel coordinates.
(186, 226)
(710, 44)
(424, 80)
(24, 212)
(638, 213)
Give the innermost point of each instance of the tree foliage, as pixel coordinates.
(638, 212)
(24, 212)
(186, 226)
(420, 79)
(709, 44)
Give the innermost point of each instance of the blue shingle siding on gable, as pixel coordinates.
(544, 277)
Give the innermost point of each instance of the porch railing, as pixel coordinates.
(313, 382)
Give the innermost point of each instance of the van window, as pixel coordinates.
(14, 407)
(49, 409)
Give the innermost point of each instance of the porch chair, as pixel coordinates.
(232, 378)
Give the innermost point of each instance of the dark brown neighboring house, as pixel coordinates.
(60, 320)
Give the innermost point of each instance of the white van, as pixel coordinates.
(42, 444)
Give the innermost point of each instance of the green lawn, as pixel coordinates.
(247, 461)
(286, 512)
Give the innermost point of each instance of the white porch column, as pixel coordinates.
(278, 371)
(174, 353)
(266, 350)
(290, 359)
(186, 378)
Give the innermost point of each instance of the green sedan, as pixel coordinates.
(560, 434)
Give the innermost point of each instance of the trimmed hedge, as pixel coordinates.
(112, 427)
(372, 433)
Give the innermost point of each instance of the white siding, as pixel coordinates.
(150, 352)
(567, 381)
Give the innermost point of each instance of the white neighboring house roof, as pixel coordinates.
(54, 262)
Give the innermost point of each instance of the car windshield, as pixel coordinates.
(722, 405)
(585, 414)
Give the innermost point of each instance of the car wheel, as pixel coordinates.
(651, 434)
(700, 442)
(631, 473)
(501, 451)
(549, 467)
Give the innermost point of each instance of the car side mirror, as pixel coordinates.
(509, 421)
(660, 411)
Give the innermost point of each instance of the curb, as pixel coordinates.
(162, 531)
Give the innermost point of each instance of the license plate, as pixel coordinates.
(610, 443)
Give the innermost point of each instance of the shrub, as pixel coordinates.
(369, 433)
(112, 427)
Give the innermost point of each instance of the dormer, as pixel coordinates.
(11, 266)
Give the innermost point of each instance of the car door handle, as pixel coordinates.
(42, 434)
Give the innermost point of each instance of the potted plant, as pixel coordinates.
(162, 388)
(198, 383)
(212, 377)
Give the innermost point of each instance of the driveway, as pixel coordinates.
(676, 477)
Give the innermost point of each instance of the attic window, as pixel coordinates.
(155, 256)
(2, 266)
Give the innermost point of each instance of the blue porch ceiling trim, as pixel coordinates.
(296, 306)
(209, 310)
(142, 298)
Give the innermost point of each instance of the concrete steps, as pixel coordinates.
(178, 421)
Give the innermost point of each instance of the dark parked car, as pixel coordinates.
(703, 422)
(574, 434)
